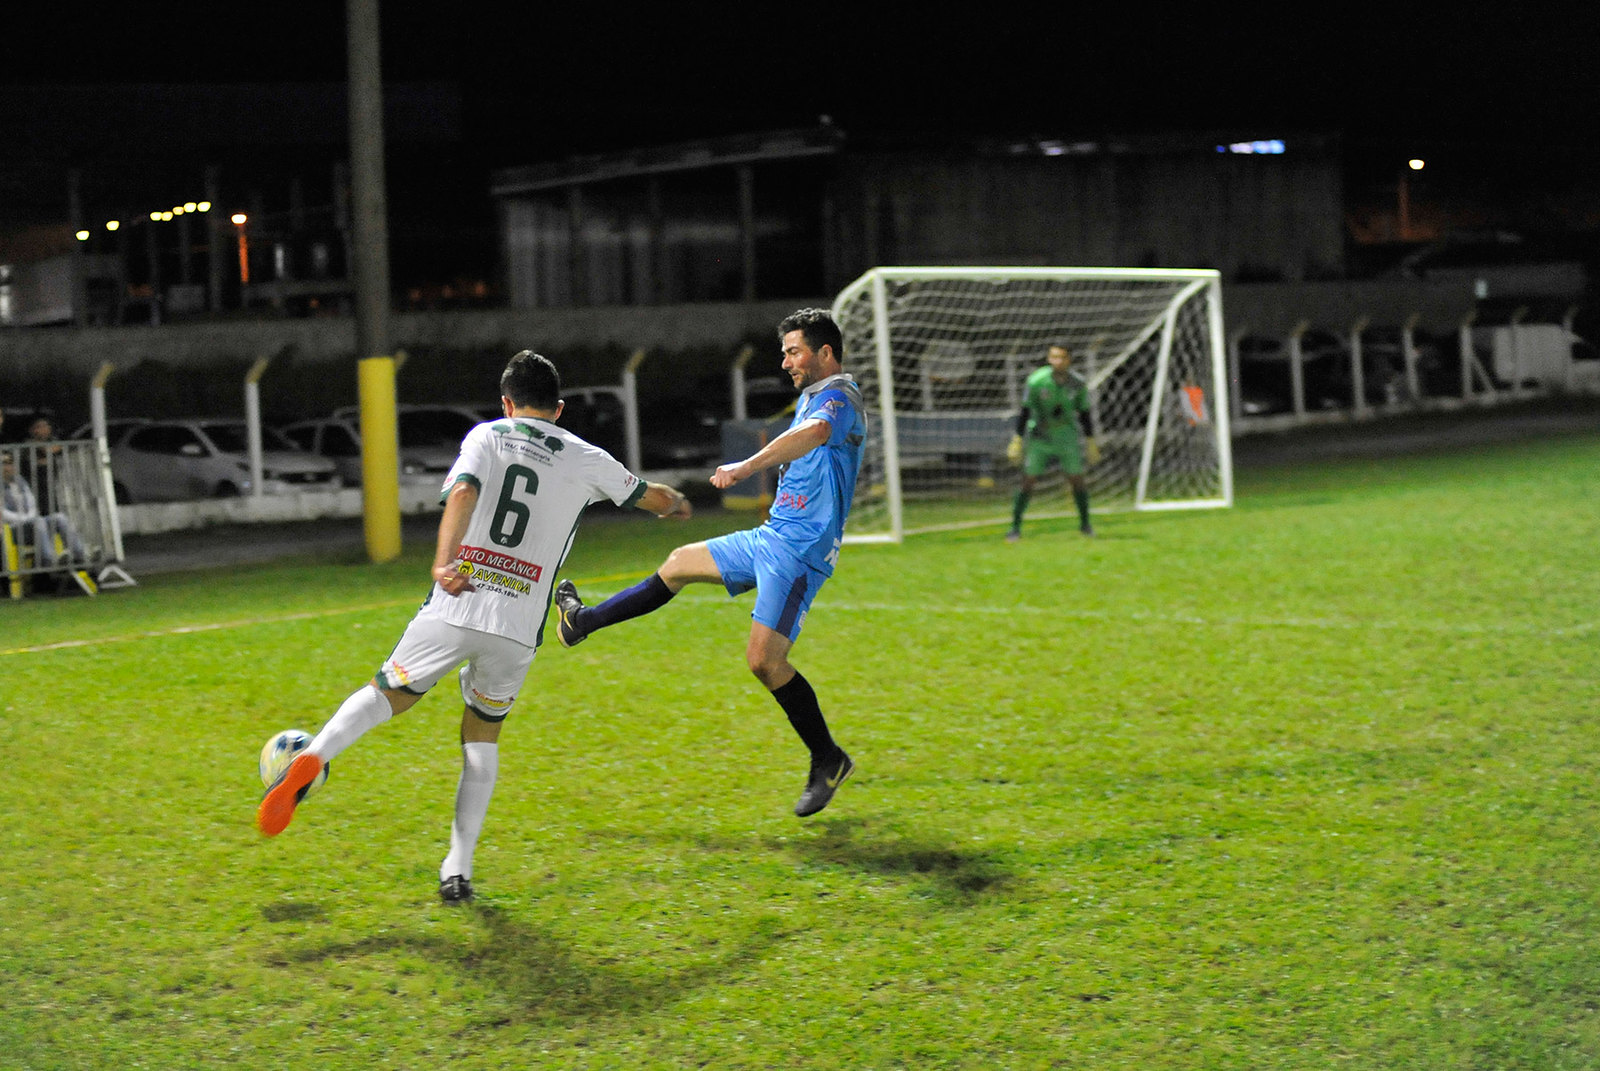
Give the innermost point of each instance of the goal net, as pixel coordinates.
(942, 355)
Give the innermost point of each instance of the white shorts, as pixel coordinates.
(430, 648)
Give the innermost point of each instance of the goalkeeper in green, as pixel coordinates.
(1055, 410)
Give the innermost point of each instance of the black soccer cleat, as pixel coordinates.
(455, 889)
(567, 606)
(823, 782)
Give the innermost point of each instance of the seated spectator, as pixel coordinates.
(20, 509)
(43, 430)
(43, 460)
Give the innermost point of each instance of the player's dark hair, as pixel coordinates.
(531, 382)
(818, 329)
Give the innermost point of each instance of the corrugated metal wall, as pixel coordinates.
(674, 239)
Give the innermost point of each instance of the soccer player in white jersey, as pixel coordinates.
(787, 559)
(511, 507)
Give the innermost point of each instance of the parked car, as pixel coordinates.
(679, 436)
(338, 439)
(426, 425)
(595, 415)
(116, 427)
(173, 460)
(677, 440)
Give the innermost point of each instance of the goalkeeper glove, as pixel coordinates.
(1014, 449)
(1091, 450)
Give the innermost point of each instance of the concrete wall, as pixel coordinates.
(76, 353)
(1276, 308)
(79, 352)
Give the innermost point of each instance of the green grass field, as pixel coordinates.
(1307, 783)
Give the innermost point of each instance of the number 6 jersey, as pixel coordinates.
(534, 481)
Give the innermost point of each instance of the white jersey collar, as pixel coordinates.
(822, 384)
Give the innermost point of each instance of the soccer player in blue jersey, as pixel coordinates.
(787, 559)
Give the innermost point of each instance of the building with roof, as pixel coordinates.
(802, 212)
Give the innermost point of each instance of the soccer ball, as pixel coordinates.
(278, 752)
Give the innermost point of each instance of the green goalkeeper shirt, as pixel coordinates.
(1054, 408)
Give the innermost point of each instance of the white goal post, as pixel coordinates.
(942, 353)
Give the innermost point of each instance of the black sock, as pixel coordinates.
(1080, 497)
(799, 702)
(1019, 506)
(648, 594)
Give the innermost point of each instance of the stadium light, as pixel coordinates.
(239, 220)
(1403, 198)
(155, 217)
(190, 206)
(83, 236)
(113, 224)
(203, 206)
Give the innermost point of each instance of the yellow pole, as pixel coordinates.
(380, 459)
(13, 565)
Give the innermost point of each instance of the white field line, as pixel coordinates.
(1449, 628)
(217, 626)
(213, 626)
(1437, 627)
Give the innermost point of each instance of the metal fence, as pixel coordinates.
(58, 519)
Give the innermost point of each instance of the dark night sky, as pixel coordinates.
(1509, 90)
(542, 81)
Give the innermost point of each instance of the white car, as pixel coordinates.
(174, 460)
(116, 428)
(423, 459)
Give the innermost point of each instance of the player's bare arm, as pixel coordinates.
(458, 507)
(664, 501)
(796, 442)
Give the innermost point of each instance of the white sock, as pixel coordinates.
(480, 764)
(366, 709)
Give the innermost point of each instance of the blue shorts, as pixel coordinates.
(785, 585)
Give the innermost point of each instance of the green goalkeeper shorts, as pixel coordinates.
(1064, 449)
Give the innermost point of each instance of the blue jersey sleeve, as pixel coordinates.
(834, 407)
